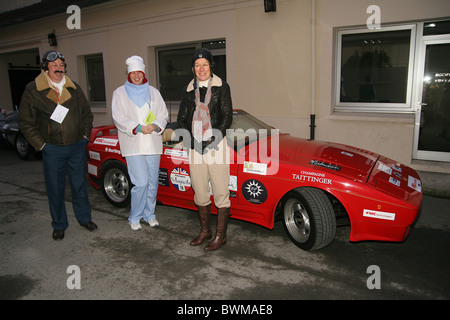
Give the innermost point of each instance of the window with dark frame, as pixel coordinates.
(175, 66)
(174, 69)
(95, 78)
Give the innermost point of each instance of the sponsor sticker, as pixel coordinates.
(394, 181)
(414, 183)
(232, 185)
(324, 164)
(398, 175)
(94, 155)
(180, 179)
(106, 141)
(254, 191)
(163, 177)
(384, 168)
(347, 153)
(308, 176)
(180, 153)
(255, 167)
(92, 170)
(112, 150)
(379, 214)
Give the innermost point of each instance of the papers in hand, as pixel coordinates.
(150, 118)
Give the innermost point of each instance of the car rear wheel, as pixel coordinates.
(308, 218)
(116, 184)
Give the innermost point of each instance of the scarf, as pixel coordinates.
(201, 122)
(139, 94)
(58, 87)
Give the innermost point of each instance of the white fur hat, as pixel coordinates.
(135, 63)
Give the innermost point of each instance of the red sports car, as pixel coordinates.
(308, 184)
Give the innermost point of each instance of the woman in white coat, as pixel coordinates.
(140, 115)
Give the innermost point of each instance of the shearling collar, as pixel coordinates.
(42, 83)
(216, 82)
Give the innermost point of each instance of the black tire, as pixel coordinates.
(23, 149)
(308, 218)
(115, 183)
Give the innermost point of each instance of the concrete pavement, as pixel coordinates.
(435, 184)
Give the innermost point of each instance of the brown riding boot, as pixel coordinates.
(204, 213)
(220, 239)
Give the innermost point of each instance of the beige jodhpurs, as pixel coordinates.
(212, 167)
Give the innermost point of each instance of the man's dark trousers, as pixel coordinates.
(59, 161)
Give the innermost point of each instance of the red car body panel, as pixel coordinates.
(382, 197)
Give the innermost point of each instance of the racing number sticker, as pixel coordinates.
(254, 191)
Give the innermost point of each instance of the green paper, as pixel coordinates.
(150, 118)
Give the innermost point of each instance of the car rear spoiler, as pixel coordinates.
(101, 131)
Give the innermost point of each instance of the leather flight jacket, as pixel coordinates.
(39, 102)
(220, 110)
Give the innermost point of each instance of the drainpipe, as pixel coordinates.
(312, 125)
(313, 71)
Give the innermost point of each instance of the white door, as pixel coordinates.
(432, 122)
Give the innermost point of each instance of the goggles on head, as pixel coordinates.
(53, 55)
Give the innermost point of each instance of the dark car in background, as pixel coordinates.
(11, 135)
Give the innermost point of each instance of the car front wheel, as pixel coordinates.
(308, 218)
(116, 184)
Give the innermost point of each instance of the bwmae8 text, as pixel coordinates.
(227, 309)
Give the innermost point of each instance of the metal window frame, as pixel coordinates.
(372, 107)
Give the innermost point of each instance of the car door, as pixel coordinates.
(174, 181)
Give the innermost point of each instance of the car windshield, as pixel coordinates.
(245, 121)
(246, 129)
